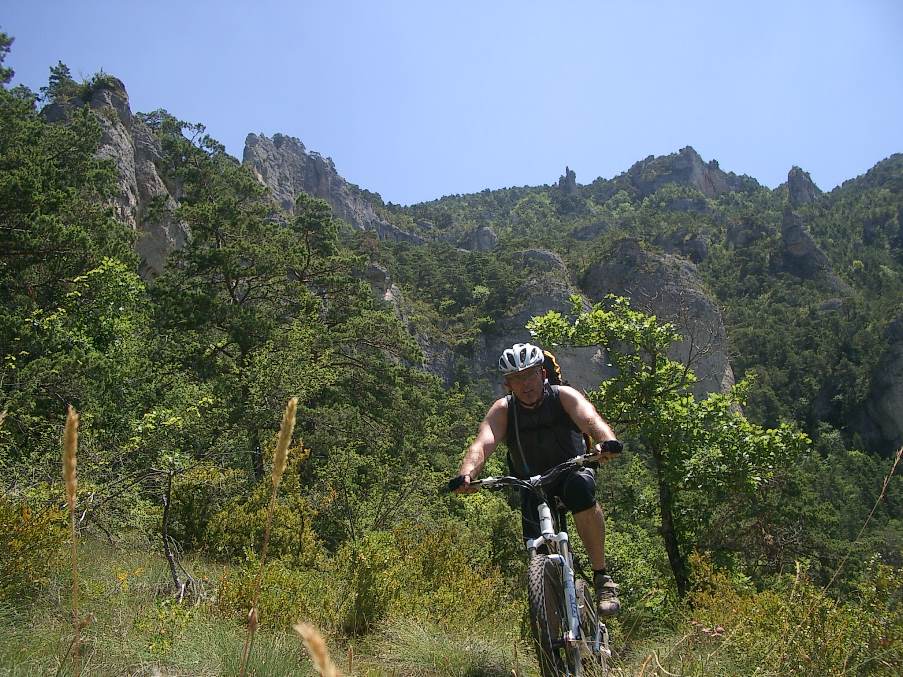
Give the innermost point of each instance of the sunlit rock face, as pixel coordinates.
(685, 168)
(669, 288)
(287, 168)
(800, 188)
(143, 200)
(548, 287)
(482, 239)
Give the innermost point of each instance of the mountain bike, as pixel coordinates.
(570, 637)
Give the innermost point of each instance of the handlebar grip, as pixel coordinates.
(453, 483)
(612, 446)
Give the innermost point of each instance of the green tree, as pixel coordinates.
(698, 451)
(258, 304)
(67, 284)
(61, 86)
(6, 74)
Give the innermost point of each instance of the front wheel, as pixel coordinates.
(548, 617)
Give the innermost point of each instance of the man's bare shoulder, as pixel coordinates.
(501, 404)
(567, 392)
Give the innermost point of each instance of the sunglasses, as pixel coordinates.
(523, 376)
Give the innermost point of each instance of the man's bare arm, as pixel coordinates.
(492, 431)
(584, 414)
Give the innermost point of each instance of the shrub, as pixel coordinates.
(413, 571)
(238, 528)
(30, 541)
(286, 594)
(793, 628)
(197, 496)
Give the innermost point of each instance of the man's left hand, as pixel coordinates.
(608, 449)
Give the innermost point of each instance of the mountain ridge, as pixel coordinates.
(675, 204)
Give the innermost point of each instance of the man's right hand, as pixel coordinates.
(460, 485)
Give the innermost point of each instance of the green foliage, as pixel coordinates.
(700, 452)
(61, 86)
(30, 541)
(188, 374)
(6, 74)
(198, 495)
(411, 572)
(238, 528)
(64, 277)
(165, 624)
(287, 595)
(454, 295)
(795, 629)
(428, 647)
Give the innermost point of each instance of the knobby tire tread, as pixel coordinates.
(545, 592)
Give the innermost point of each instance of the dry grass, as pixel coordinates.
(70, 447)
(316, 646)
(279, 461)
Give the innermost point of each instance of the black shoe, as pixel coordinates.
(606, 595)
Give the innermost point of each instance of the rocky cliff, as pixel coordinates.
(666, 284)
(685, 168)
(549, 287)
(287, 168)
(669, 288)
(143, 201)
(801, 254)
(800, 188)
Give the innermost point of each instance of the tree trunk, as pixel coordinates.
(669, 533)
(167, 550)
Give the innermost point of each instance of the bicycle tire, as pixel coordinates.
(548, 616)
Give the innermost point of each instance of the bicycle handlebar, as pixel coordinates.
(535, 481)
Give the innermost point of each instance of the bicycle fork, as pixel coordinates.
(563, 559)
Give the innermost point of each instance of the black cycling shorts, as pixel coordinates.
(576, 489)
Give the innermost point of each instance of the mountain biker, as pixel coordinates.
(543, 425)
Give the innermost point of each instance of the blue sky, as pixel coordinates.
(417, 99)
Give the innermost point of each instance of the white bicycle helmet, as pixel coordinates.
(519, 357)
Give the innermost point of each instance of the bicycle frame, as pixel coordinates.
(557, 544)
(559, 547)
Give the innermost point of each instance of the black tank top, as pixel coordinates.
(547, 435)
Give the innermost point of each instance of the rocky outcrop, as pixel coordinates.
(583, 368)
(693, 246)
(745, 233)
(591, 230)
(685, 168)
(384, 289)
(287, 168)
(544, 262)
(482, 239)
(143, 200)
(881, 421)
(669, 288)
(800, 188)
(549, 288)
(802, 257)
(567, 183)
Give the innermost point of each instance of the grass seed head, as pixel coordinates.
(316, 646)
(70, 445)
(285, 436)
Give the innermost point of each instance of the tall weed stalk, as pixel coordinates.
(70, 446)
(279, 461)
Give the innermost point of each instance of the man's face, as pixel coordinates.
(527, 385)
